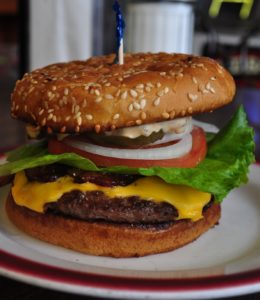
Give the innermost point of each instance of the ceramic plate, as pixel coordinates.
(223, 262)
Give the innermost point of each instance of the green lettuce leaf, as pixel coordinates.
(230, 152)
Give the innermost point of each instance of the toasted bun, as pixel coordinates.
(106, 239)
(100, 95)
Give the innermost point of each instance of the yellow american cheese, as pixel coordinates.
(188, 201)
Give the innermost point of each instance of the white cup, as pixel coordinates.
(159, 27)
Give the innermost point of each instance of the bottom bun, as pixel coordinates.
(110, 239)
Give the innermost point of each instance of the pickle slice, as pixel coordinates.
(123, 141)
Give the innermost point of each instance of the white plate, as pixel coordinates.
(223, 262)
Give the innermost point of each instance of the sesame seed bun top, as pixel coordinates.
(99, 95)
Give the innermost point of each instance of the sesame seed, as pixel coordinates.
(138, 122)
(63, 129)
(116, 116)
(109, 97)
(130, 123)
(166, 90)
(136, 106)
(150, 84)
(54, 118)
(147, 89)
(210, 88)
(89, 117)
(50, 116)
(67, 118)
(140, 86)
(97, 92)
(194, 79)
(98, 99)
(118, 93)
(143, 115)
(43, 122)
(160, 93)
(158, 84)
(77, 129)
(130, 107)
(54, 88)
(86, 87)
(84, 103)
(213, 78)
(204, 91)
(172, 114)
(133, 93)
(162, 73)
(165, 115)
(192, 97)
(77, 108)
(66, 92)
(40, 112)
(190, 110)
(143, 103)
(124, 95)
(78, 114)
(156, 102)
(79, 120)
(31, 89)
(220, 71)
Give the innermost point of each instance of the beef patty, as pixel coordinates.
(95, 205)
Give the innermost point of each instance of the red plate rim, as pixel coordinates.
(26, 267)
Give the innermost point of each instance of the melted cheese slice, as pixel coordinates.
(188, 201)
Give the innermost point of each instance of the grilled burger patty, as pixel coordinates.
(95, 205)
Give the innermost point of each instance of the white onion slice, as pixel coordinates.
(167, 152)
(205, 126)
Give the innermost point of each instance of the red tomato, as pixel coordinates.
(189, 160)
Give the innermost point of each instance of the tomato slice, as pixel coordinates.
(189, 160)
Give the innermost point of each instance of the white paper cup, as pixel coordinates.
(158, 27)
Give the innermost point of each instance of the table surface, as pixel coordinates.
(13, 290)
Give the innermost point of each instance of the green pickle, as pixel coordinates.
(124, 141)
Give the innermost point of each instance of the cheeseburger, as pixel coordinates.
(120, 168)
